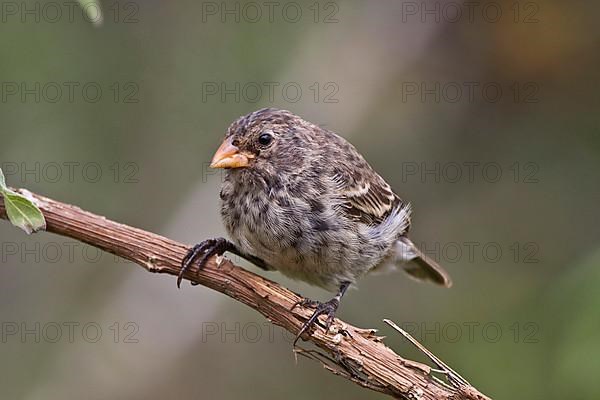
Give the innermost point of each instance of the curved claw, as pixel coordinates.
(207, 249)
(329, 308)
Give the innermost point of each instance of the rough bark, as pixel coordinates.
(356, 354)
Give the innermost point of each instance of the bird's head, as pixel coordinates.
(267, 138)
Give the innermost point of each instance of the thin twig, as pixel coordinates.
(453, 377)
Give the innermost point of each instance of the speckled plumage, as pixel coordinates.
(311, 207)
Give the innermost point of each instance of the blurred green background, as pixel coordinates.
(486, 120)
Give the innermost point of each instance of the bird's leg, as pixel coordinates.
(328, 308)
(209, 248)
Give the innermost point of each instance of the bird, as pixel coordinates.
(300, 199)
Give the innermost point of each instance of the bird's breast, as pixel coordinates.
(302, 236)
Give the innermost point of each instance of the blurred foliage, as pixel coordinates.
(154, 127)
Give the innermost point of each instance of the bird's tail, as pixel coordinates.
(418, 265)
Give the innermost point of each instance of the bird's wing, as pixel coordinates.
(365, 196)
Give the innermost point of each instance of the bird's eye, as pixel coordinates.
(265, 139)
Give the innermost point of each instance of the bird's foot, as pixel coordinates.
(204, 250)
(328, 308)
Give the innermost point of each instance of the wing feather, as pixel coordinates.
(365, 196)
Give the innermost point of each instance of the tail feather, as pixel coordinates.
(418, 265)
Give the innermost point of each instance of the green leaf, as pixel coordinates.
(21, 211)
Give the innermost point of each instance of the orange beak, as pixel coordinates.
(229, 156)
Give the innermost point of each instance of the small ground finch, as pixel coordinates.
(300, 199)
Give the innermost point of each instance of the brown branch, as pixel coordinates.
(354, 353)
